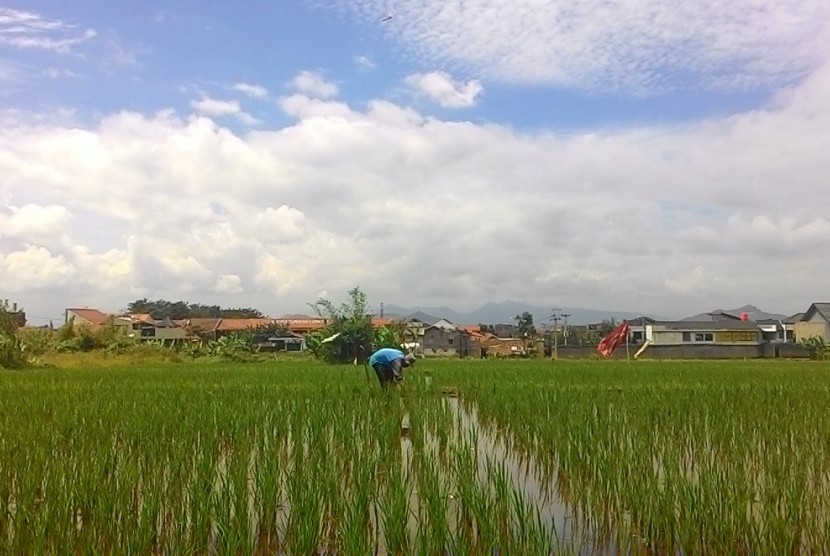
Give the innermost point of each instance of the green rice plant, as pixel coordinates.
(527, 457)
(394, 508)
(268, 480)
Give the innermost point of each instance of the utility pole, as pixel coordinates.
(556, 317)
(565, 326)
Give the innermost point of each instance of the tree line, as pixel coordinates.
(161, 309)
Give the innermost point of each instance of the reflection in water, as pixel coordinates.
(537, 488)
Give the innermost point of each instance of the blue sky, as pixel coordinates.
(635, 155)
(159, 56)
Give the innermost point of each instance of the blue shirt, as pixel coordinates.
(385, 356)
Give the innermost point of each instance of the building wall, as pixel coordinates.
(438, 351)
(816, 317)
(692, 351)
(170, 334)
(706, 351)
(414, 331)
(79, 320)
(805, 329)
(667, 337)
(19, 318)
(440, 342)
(719, 337)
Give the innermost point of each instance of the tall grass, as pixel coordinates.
(532, 457)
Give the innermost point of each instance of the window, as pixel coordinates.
(687, 336)
(703, 336)
(737, 336)
(450, 340)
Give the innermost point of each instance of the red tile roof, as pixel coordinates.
(301, 325)
(141, 317)
(92, 316)
(203, 323)
(238, 325)
(377, 322)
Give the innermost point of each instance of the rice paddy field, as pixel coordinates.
(468, 457)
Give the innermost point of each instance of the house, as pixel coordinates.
(413, 335)
(17, 317)
(637, 329)
(716, 332)
(148, 328)
(231, 326)
(213, 328)
(139, 325)
(282, 342)
(203, 327)
(442, 338)
(714, 339)
(481, 342)
(814, 323)
(302, 325)
(283, 334)
(506, 347)
(775, 330)
(85, 317)
(93, 318)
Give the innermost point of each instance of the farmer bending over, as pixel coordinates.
(388, 364)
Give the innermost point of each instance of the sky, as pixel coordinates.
(655, 156)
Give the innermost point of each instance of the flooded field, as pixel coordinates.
(479, 457)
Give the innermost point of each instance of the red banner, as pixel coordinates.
(617, 336)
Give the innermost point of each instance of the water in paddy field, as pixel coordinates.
(568, 533)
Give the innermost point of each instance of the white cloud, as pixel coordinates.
(253, 91)
(55, 73)
(29, 30)
(417, 210)
(33, 221)
(215, 107)
(228, 284)
(10, 73)
(302, 106)
(365, 62)
(641, 46)
(278, 225)
(33, 268)
(441, 88)
(314, 85)
(218, 108)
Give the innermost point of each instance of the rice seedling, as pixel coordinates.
(525, 457)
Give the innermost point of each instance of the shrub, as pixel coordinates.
(11, 348)
(818, 348)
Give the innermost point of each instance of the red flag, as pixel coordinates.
(608, 344)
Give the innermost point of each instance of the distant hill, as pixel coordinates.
(297, 316)
(424, 317)
(428, 315)
(505, 312)
(752, 311)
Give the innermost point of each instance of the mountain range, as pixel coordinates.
(505, 312)
(753, 312)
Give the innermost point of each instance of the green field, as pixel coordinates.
(479, 457)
